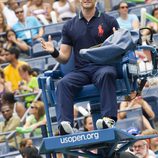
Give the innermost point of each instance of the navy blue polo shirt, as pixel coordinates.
(79, 33)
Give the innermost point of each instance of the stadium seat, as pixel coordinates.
(133, 119)
(153, 102)
(155, 38)
(37, 63)
(38, 51)
(54, 30)
(115, 14)
(4, 148)
(137, 10)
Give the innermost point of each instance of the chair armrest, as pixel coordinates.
(148, 47)
(55, 74)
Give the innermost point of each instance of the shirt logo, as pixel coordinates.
(100, 30)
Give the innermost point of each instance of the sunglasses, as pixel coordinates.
(123, 7)
(19, 12)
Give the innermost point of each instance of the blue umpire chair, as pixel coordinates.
(106, 139)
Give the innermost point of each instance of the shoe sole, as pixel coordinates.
(65, 128)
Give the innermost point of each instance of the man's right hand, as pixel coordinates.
(47, 46)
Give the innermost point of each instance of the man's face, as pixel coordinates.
(20, 14)
(87, 4)
(8, 56)
(4, 55)
(140, 148)
(123, 9)
(6, 112)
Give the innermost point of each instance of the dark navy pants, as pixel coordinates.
(103, 77)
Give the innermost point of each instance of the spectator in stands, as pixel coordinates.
(65, 9)
(18, 107)
(125, 20)
(36, 118)
(8, 11)
(3, 28)
(29, 83)
(11, 71)
(42, 11)
(135, 102)
(153, 142)
(4, 86)
(26, 6)
(152, 25)
(29, 36)
(12, 40)
(30, 152)
(10, 124)
(79, 111)
(88, 123)
(88, 126)
(141, 150)
(26, 142)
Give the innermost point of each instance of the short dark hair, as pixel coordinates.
(8, 97)
(31, 152)
(14, 50)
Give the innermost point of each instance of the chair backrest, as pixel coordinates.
(69, 66)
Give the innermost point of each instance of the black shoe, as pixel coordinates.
(65, 128)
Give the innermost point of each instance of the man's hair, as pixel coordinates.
(14, 50)
(8, 97)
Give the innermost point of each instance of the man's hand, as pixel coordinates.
(47, 46)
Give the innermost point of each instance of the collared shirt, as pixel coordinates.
(30, 22)
(80, 33)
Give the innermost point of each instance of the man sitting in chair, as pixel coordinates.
(89, 28)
